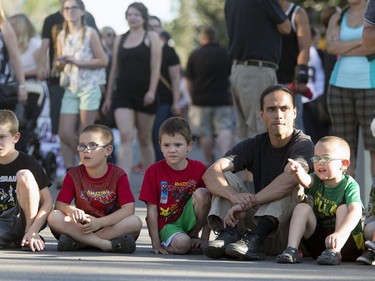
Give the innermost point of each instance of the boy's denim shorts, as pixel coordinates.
(12, 225)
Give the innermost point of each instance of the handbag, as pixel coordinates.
(9, 94)
(64, 76)
(64, 80)
(8, 90)
(166, 83)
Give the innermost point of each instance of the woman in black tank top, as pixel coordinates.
(136, 70)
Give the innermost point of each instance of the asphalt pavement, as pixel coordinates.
(51, 265)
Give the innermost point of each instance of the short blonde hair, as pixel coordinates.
(8, 118)
(24, 30)
(342, 147)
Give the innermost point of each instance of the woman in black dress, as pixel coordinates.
(136, 70)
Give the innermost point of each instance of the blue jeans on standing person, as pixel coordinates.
(163, 113)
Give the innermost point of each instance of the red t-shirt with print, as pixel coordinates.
(96, 196)
(170, 189)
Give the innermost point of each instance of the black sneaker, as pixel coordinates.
(368, 257)
(248, 247)
(329, 257)
(290, 255)
(67, 243)
(124, 244)
(215, 249)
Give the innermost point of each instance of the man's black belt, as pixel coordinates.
(259, 63)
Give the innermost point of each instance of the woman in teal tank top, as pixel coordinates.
(351, 95)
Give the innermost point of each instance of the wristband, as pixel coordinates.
(301, 74)
(22, 86)
(308, 94)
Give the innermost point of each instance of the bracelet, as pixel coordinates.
(22, 86)
(301, 74)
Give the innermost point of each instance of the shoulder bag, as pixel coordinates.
(8, 90)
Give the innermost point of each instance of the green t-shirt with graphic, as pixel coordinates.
(325, 200)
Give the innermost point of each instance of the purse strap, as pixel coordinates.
(166, 83)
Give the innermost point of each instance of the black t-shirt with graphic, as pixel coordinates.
(8, 178)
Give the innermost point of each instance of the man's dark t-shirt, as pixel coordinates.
(266, 162)
(252, 29)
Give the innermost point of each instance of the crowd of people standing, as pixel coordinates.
(248, 102)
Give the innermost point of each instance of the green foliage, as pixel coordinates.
(37, 10)
(212, 13)
(193, 13)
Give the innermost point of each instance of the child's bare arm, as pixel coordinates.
(32, 237)
(206, 232)
(77, 215)
(344, 229)
(153, 229)
(44, 209)
(93, 224)
(300, 173)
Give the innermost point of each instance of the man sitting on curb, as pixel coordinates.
(268, 211)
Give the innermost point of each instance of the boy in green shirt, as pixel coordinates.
(331, 220)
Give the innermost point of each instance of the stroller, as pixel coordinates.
(31, 133)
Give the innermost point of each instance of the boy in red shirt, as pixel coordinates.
(103, 215)
(177, 203)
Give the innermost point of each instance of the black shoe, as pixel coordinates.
(215, 249)
(329, 257)
(124, 244)
(67, 243)
(367, 257)
(248, 247)
(290, 255)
